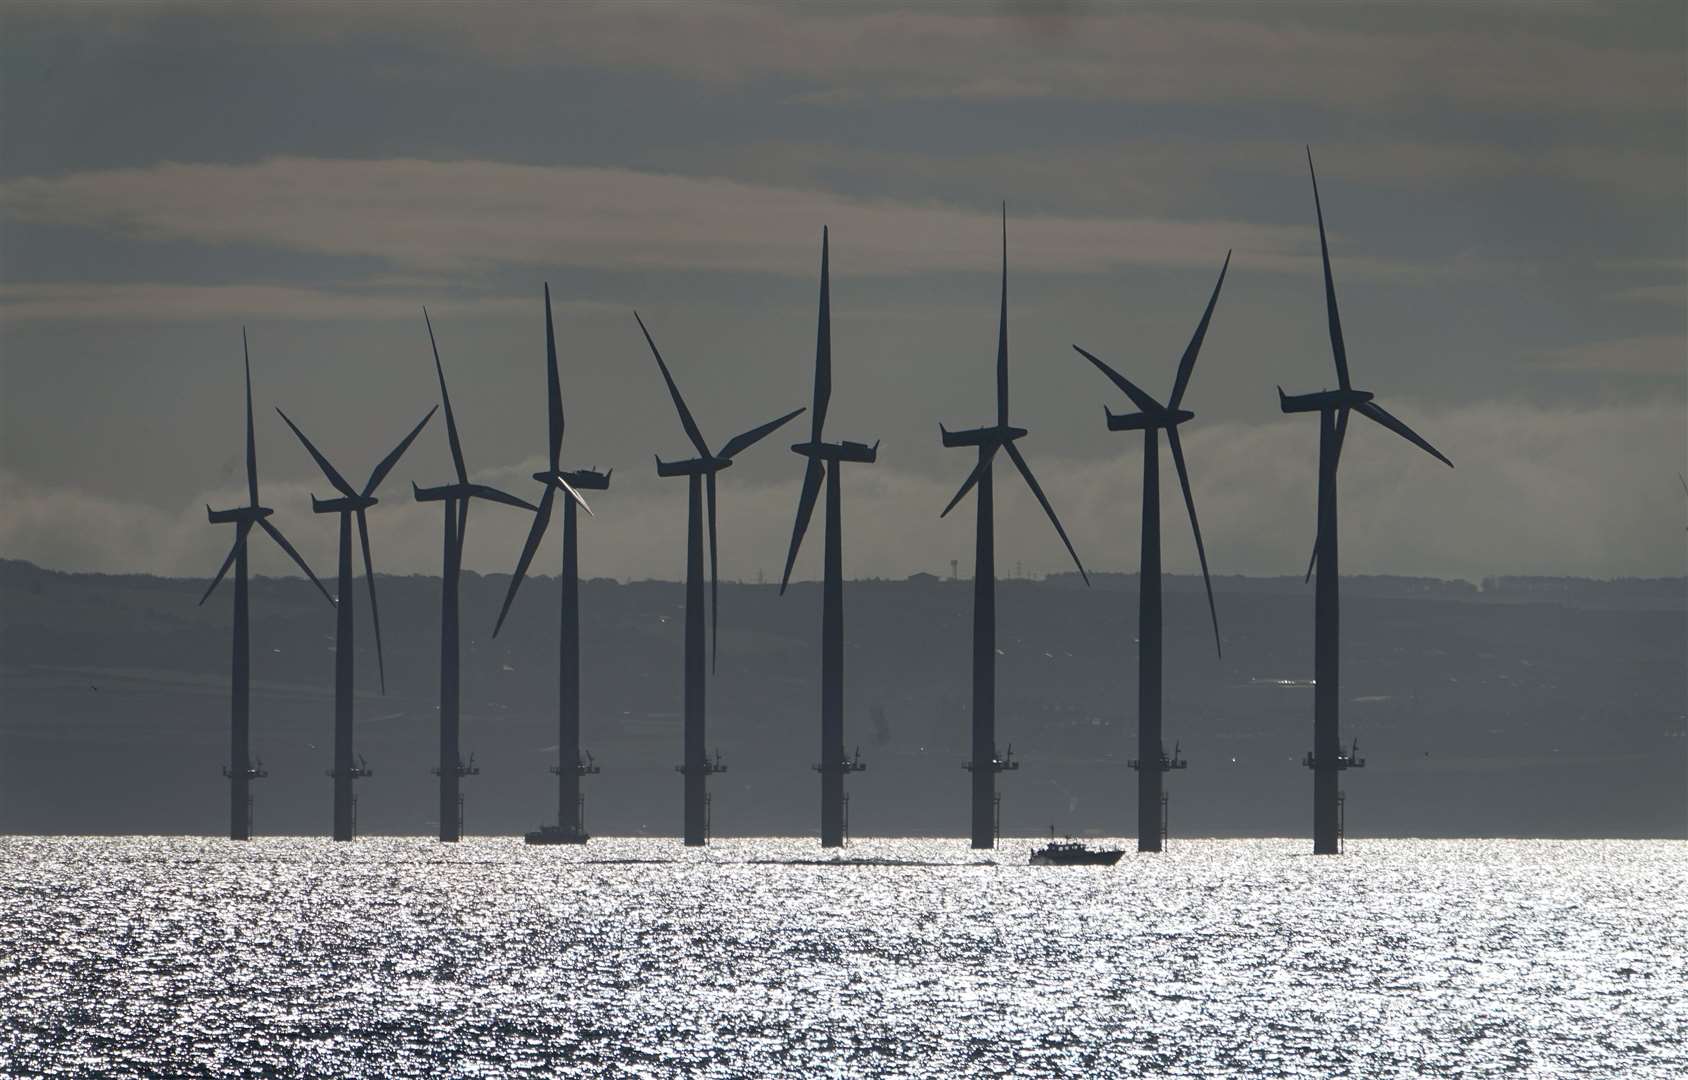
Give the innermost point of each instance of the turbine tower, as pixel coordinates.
(241, 769)
(570, 765)
(985, 762)
(455, 498)
(700, 475)
(1326, 759)
(833, 764)
(351, 503)
(1151, 418)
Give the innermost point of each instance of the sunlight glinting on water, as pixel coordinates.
(403, 957)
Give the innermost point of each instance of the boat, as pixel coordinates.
(556, 834)
(1070, 852)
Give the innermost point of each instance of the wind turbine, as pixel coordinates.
(351, 503)
(833, 764)
(455, 497)
(570, 765)
(985, 762)
(1326, 759)
(1151, 418)
(241, 769)
(700, 475)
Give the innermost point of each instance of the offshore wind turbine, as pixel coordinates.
(351, 503)
(241, 769)
(700, 476)
(455, 498)
(1326, 759)
(985, 763)
(833, 764)
(1151, 418)
(570, 766)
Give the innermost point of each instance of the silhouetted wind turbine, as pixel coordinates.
(834, 764)
(570, 765)
(985, 762)
(700, 474)
(1326, 759)
(241, 769)
(351, 503)
(1151, 418)
(455, 498)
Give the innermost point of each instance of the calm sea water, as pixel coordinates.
(403, 957)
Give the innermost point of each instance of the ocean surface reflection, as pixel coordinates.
(403, 957)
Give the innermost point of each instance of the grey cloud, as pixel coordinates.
(446, 215)
(1535, 490)
(1142, 55)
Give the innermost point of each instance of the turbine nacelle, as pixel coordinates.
(838, 451)
(342, 505)
(583, 479)
(246, 514)
(1324, 399)
(443, 492)
(995, 435)
(463, 492)
(698, 466)
(1141, 421)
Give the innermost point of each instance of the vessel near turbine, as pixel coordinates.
(454, 498)
(572, 763)
(825, 463)
(242, 769)
(985, 761)
(697, 766)
(1151, 418)
(1326, 759)
(349, 504)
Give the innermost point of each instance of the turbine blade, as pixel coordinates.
(812, 477)
(1373, 411)
(239, 539)
(575, 495)
(686, 420)
(1195, 527)
(1188, 363)
(972, 478)
(462, 526)
(1336, 347)
(1138, 397)
(328, 470)
(535, 534)
(714, 581)
(823, 348)
(553, 388)
(251, 439)
(386, 466)
(374, 608)
(275, 534)
(492, 494)
(1002, 332)
(1031, 482)
(445, 398)
(738, 444)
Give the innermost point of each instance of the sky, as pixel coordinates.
(1503, 185)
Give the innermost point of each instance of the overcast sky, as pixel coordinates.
(1504, 188)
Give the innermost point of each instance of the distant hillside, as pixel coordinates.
(1525, 706)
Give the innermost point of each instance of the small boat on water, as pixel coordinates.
(556, 834)
(1070, 852)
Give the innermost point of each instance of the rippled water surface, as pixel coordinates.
(403, 957)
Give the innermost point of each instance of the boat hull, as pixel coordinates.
(1078, 858)
(551, 834)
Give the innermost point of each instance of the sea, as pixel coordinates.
(403, 957)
